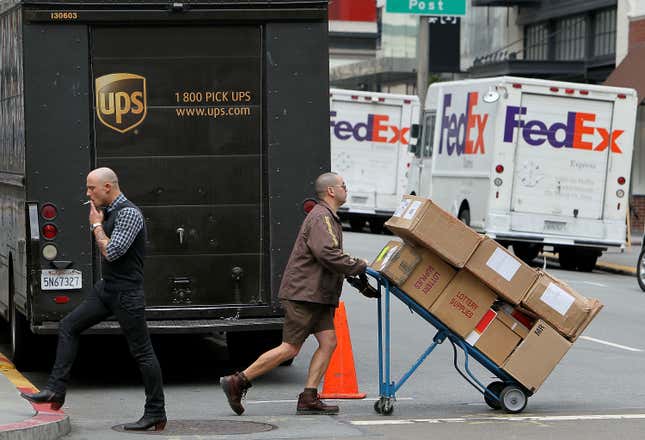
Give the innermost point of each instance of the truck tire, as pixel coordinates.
(356, 224)
(20, 334)
(567, 258)
(464, 216)
(640, 269)
(587, 259)
(527, 252)
(376, 226)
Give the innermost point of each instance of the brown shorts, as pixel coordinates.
(304, 318)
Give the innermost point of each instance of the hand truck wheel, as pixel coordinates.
(495, 388)
(513, 399)
(384, 406)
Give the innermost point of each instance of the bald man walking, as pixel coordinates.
(310, 290)
(120, 234)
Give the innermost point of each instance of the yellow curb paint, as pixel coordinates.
(14, 376)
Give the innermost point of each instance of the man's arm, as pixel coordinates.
(324, 245)
(102, 240)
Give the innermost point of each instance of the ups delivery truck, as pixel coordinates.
(214, 114)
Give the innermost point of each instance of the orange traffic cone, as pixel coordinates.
(340, 378)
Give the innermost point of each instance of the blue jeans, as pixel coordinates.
(128, 307)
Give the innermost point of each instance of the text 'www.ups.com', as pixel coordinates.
(212, 112)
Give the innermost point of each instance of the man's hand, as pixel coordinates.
(361, 284)
(96, 216)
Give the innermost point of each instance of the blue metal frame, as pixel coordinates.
(387, 387)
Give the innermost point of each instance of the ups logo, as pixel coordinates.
(121, 101)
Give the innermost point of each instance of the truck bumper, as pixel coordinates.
(204, 326)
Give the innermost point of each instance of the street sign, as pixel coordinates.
(427, 7)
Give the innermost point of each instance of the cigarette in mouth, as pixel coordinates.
(86, 203)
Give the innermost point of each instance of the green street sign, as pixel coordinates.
(427, 7)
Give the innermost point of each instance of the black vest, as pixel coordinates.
(126, 272)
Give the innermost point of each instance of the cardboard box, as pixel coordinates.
(463, 303)
(428, 279)
(513, 324)
(536, 356)
(494, 338)
(502, 271)
(561, 306)
(396, 261)
(421, 221)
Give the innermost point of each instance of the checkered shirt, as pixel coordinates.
(128, 223)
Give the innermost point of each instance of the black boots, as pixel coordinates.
(309, 403)
(46, 396)
(235, 387)
(147, 422)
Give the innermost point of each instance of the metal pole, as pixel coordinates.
(423, 53)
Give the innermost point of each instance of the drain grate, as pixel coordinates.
(205, 427)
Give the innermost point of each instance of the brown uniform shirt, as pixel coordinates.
(318, 265)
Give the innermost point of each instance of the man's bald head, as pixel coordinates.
(324, 181)
(104, 175)
(102, 186)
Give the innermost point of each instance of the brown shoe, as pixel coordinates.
(235, 387)
(309, 403)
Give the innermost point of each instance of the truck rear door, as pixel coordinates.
(365, 149)
(561, 157)
(178, 117)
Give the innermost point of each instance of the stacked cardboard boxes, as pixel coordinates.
(524, 320)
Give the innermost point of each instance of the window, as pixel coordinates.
(570, 38)
(536, 42)
(428, 134)
(604, 42)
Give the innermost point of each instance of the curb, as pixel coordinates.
(47, 424)
(601, 265)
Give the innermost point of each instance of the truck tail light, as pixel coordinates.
(584, 92)
(499, 168)
(569, 91)
(308, 205)
(407, 101)
(368, 98)
(517, 85)
(554, 89)
(50, 252)
(622, 96)
(621, 180)
(50, 231)
(354, 97)
(61, 299)
(48, 211)
(381, 100)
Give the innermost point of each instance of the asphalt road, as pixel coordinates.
(595, 393)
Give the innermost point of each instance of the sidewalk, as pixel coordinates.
(20, 420)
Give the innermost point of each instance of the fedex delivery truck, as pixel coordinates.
(532, 163)
(371, 134)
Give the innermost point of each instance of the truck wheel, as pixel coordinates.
(20, 334)
(567, 258)
(586, 259)
(527, 252)
(640, 270)
(464, 216)
(357, 224)
(376, 226)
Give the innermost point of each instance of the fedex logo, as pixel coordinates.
(463, 134)
(576, 132)
(376, 129)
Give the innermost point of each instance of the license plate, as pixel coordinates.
(66, 279)
(554, 226)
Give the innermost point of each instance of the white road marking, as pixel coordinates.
(611, 344)
(367, 399)
(591, 283)
(380, 422)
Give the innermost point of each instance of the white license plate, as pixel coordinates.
(555, 226)
(65, 279)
